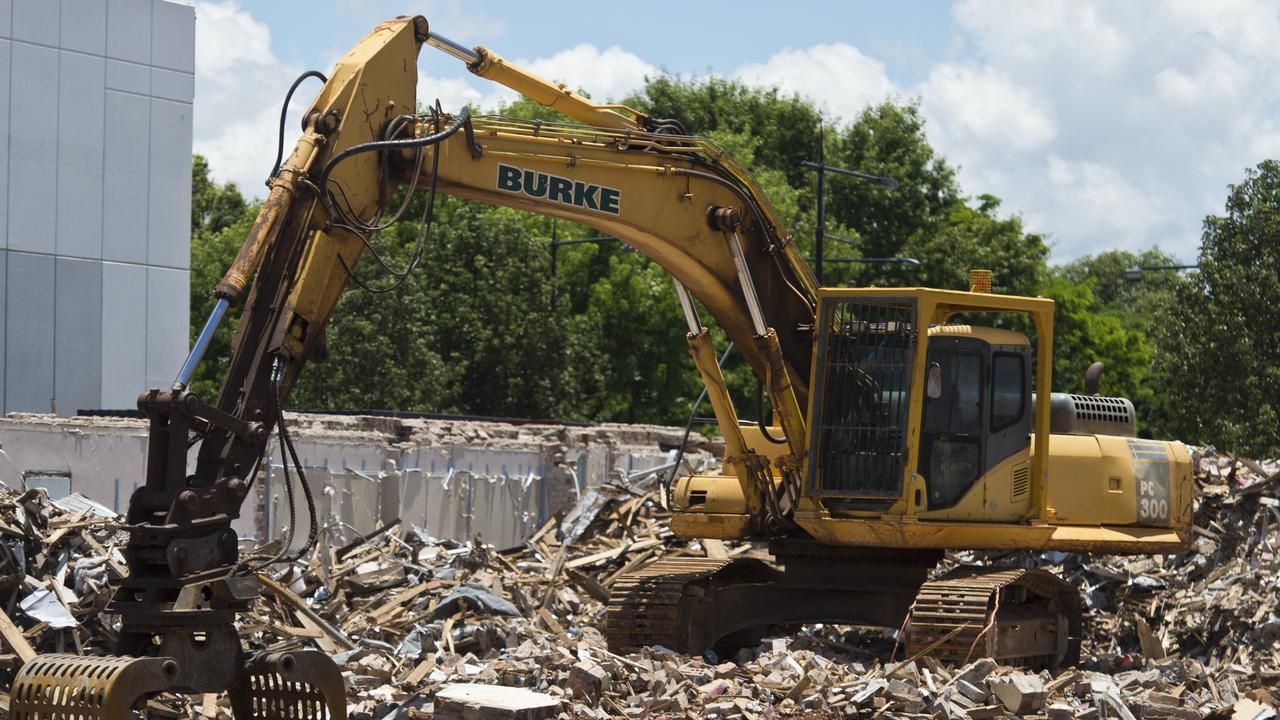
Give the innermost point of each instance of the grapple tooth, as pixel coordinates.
(91, 688)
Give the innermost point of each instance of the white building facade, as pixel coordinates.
(95, 200)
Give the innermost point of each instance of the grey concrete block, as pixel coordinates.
(81, 115)
(84, 26)
(77, 358)
(168, 323)
(6, 18)
(173, 85)
(169, 226)
(28, 367)
(36, 21)
(128, 76)
(129, 30)
(125, 189)
(124, 334)
(33, 148)
(173, 36)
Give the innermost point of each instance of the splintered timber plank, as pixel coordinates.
(611, 554)
(14, 638)
(335, 640)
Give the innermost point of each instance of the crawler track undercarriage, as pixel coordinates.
(1018, 616)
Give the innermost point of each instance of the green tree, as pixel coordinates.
(1139, 300)
(1217, 363)
(889, 139)
(976, 237)
(1086, 331)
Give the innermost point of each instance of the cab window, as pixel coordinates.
(951, 447)
(1008, 389)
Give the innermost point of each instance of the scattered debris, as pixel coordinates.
(428, 628)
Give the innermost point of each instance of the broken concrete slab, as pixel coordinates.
(469, 701)
(1019, 693)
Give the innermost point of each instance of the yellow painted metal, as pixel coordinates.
(991, 497)
(714, 494)
(557, 96)
(737, 453)
(372, 85)
(756, 441)
(726, 526)
(270, 217)
(935, 307)
(898, 532)
(994, 336)
(1094, 480)
(783, 397)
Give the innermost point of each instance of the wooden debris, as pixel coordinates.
(412, 620)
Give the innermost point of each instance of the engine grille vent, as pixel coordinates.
(1021, 483)
(1105, 409)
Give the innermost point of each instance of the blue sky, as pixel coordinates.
(907, 36)
(1103, 124)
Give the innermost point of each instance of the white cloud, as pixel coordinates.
(240, 84)
(839, 77)
(982, 105)
(1107, 211)
(606, 75)
(1157, 107)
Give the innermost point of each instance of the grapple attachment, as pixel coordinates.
(302, 685)
(89, 688)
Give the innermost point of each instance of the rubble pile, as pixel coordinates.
(430, 628)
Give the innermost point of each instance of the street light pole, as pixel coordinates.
(556, 242)
(909, 261)
(822, 168)
(1134, 274)
(822, 205)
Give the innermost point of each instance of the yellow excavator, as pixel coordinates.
(905, 427)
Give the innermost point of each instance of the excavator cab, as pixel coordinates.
(911, 411)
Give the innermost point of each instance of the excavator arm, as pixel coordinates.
(679, 200)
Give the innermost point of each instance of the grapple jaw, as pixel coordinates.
(90, 688)
(301, 685)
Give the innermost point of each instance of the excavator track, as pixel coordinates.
(1017, 616)
(653, 605)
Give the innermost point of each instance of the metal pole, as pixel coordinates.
(450, 47)
(822, 213)
(202, 343)
(748, 287)
(555, 246)
(686, 306)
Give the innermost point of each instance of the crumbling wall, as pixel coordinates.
(452, 478)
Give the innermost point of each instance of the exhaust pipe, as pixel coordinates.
(1091, 377)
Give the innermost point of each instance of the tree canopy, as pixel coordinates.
(1217, 368)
